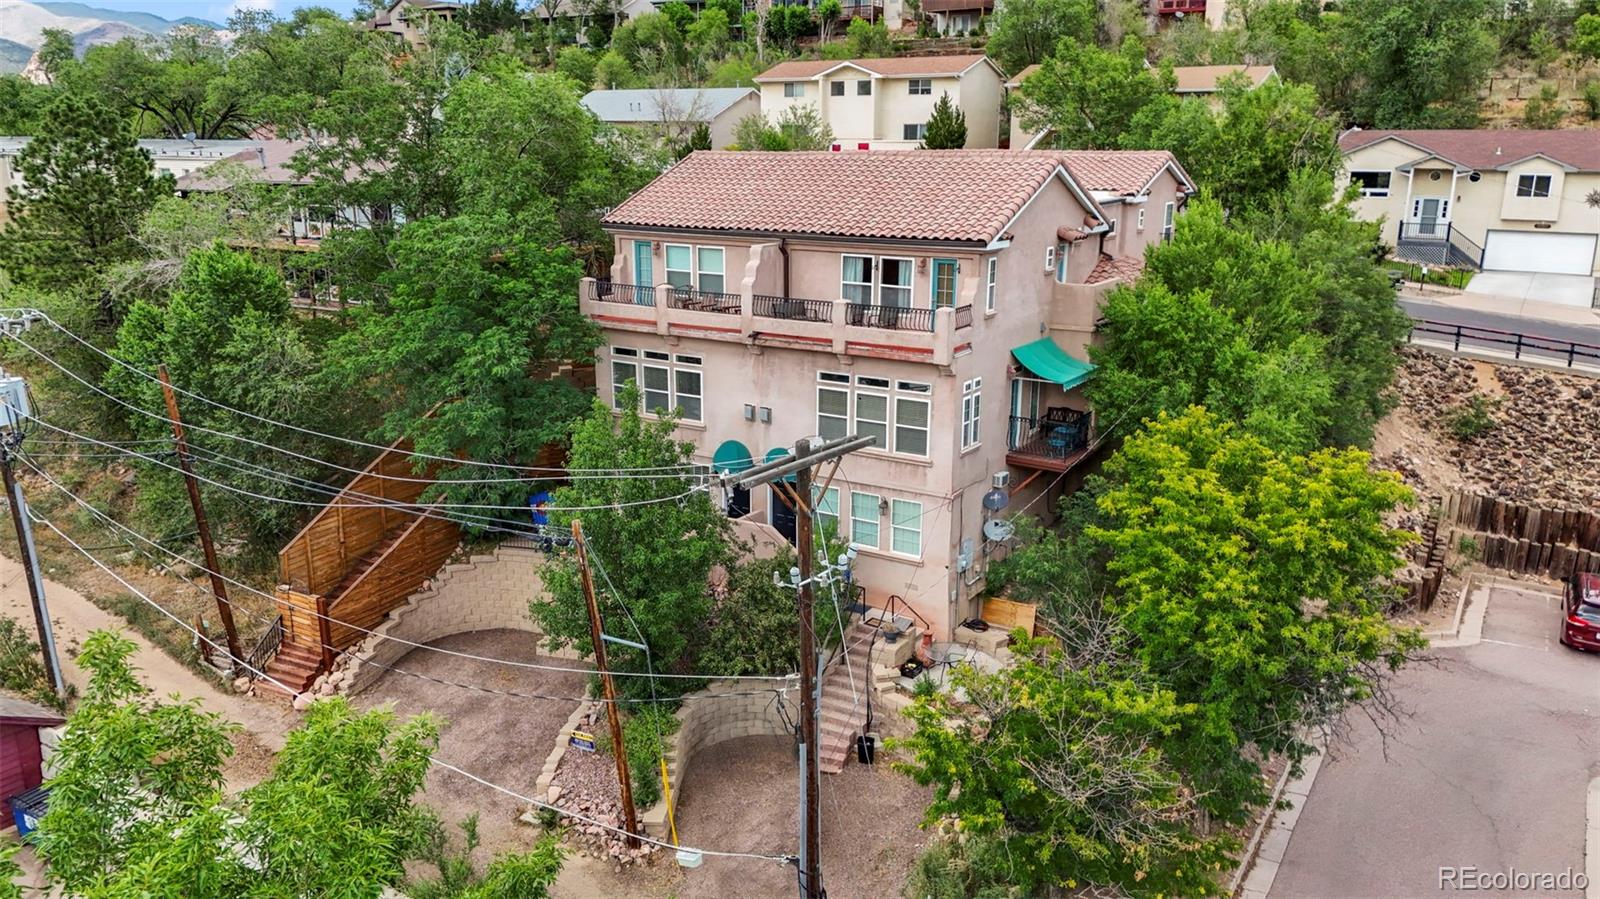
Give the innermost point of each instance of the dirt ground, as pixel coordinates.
(503, 739)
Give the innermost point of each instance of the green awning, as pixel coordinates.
(732, 457)
(1050, 362)
(777, 454)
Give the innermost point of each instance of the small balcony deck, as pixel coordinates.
(1055, 441)
(1187, 7)
(917, 333)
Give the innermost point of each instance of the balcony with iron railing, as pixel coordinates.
(1054, 441)
(1185, 7)
(934, 334)
(1431, 242)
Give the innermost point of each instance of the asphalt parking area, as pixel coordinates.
(1491, 771)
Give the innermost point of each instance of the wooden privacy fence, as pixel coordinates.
(1523, 537)
(1423, 588)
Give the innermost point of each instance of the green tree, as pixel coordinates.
(735, 71)
(863, 39)
(181, 83)
(1023, 32)
(578, 64)
(708, 38)
(1251, 583)
(487, 18)
(947, 127)
(21, 666)
(1586, 36)
(752, 631)
(526, 876)
(800, 127)
(1088, 96)
(295, 69)
(1422, 62)
(612, 72)
(657, 537)
(22, 105)
(56, 54)
(828, 13)
(80, 190)
(482, 308)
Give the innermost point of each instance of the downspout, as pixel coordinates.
(783, 250)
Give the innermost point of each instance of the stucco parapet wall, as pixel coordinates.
(489, 592)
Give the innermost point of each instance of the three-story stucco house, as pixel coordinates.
(940, 301)
(884, 104)
(1513, 200)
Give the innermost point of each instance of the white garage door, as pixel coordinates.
(1539, 251)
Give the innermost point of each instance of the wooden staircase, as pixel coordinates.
(844, 711)
(295, 666)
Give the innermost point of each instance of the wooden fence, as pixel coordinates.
(1423, 589)
(1521, 537)
(417, 555)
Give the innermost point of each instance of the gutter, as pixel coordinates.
(973, 245)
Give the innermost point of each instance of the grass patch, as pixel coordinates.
(1442, 277)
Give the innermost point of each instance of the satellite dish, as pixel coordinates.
(996, 499)
(998, 530)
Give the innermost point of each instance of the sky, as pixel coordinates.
(215, 10)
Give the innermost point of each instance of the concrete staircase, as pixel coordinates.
(844, 711)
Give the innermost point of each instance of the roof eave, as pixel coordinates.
(612, 227)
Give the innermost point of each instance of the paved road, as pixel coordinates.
(1424, 310)
(1491, 771)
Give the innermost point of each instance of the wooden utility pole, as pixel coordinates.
(30, 567)
(811, 773)
(608, 686)
(219, 587)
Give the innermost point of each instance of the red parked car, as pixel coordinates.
(1580, 612)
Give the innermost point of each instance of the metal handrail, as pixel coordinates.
(892, 318)
(705, 300)
(617, 292)
(265, 649)
(963, 316)
(1443, 235)
(1569, 350)
(1054, 438)
(792, 308)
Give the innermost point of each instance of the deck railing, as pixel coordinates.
(892, 318)
(617, 292)
(1555, 350)
(705, 301)
(792, 308)
(963, 317)
(1056, 435)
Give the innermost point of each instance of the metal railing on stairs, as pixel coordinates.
(266, 648)
(1437, 243)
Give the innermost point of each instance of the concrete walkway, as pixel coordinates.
(1576, 291)
(1501, 305)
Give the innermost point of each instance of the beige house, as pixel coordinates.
(941, 301)
(409, 18)
(675, 112)
(1513, 200)
(884, 104)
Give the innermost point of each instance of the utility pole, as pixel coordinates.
(219, 587)
(808, 453)
(14, 392)
(596, 635)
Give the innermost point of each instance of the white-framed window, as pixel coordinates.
(833, 405)
(917, 131)
(864, 88)
(836, 88)
(855, 279)
(709, 269)
(687, 391)
(971, 413)
(920, 87)
(1373, 184)
(1050, 259)
(989, 283)
(679, 263)
(864, 518)
(794, 88)
(1537, 186)
(1168, 216)
(657, 386)
(1063, 256)
(885, 280)
(913, 408)
(624, 368)
(666, 382)
(827, 503)
(1140, 223)
(872, 415)
(905, 527)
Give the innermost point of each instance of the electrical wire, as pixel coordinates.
(577, 816)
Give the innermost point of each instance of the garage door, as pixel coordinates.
(1539, 251)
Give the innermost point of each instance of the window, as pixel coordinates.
(1373, 184)
(657, 389)
(920, 87)
(989, 283)
(863, 88)
(710, 262)
(855, 283)
(794, 89)
(971, 411)
(894, 281)
(827, 503)
(623, 370)
(864, 519)
(687, 388)
(836, 88)
(833, 412)
(918, 131)
(1063, 250)
(872, 417)
(944, 282)
(1533, 186)
(1168, 212)
(911, 414)
(665, 383)
(1140, 223)
(1049, 259)
(680, 265)
(905, 527)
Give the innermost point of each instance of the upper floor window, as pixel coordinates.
(884, 280)
(897, 413)
(944, 281)
(1373, 184)
(794, 88)
(1063, 252)
(971, 412)
(920, 87)
(693, 267)
(836, 88)
(1533, 185)
(863, 88)
(989, 285)
(665, 381)
(1168, 217)
(917, 131)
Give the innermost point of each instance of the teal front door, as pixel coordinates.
(944, 282)
(644, 292)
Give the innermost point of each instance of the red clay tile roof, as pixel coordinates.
(1122, 172)
(1203, 79)
(1115, 268)
(1490, 149)
(891, 66)
(947, 195)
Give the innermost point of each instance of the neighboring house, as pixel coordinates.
(547, 11)
(409, 18)
(1191, 81)
(1214, 12)
(21, 749)
(271, 162)
(940, 301)
(884, 104)
(676, 111)
(175, 157)
(1512, 200)
(957, 16)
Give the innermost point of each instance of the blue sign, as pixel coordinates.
(582, 740)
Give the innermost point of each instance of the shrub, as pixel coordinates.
(1591, 99)
(1543, 111)
(639, 738)
(1469, 548)
(22, 668)
(1472, 418)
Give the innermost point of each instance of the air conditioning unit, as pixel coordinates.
(1000, 480)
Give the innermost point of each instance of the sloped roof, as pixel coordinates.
(1491, 149)
(1121, 172)
(269, 162)
(681, 104)
(1204, 79)
(943, 195)
(1115, 268)
(1017, 79)
(888, 66)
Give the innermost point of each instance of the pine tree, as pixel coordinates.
(947, 127)
(84, 185)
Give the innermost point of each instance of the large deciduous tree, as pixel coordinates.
(1422, 62)
(1025, 31)
(1088, 96)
